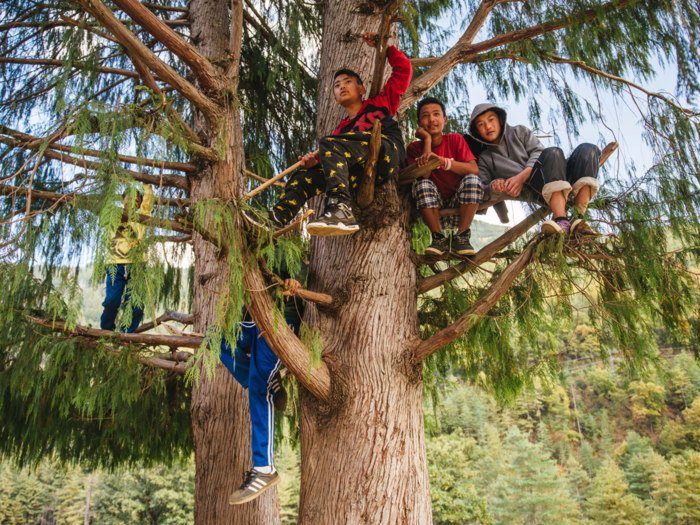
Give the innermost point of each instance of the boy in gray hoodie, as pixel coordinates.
(515, 160)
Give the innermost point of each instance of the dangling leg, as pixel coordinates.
(113, 296)
(301, 186)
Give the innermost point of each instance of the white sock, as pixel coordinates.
(269, 469)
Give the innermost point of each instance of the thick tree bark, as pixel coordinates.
(363, 455)
(220, 413)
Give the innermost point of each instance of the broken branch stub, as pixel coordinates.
(365, 190)
(414, 171)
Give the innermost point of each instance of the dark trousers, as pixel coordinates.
(113, 300)
(554, 172)
(341, 162)
(254, 365)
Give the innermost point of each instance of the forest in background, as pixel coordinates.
(597, 446)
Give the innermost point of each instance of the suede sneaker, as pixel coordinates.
(581, 227)
(439, 245)
(280, 393)
(461, 244)
(254, 484)
(553, 226)
(337, 219)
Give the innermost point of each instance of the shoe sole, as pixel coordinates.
(433, 251)
(328, 230)
(465, 252)
(550, 229)
(257, 494)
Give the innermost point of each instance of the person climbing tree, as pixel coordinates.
(256, 367)
(342, 155)
(515, 159)
(454, 184)
(119, 264)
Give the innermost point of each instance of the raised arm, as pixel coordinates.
(401, 73)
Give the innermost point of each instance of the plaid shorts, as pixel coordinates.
(470, 191)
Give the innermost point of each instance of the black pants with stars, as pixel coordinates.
(342, 160)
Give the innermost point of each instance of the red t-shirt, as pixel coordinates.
(453, 146)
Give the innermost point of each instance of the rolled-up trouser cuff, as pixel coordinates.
(585, 181)
(552, 187)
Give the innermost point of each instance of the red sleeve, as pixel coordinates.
(413, 151)
(459, 149)
(398, 82)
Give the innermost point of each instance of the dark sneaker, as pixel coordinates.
(255, 483)
(337, 219)
(581, 227)
(551, 227)
(280, 393)
(440, 245)
(461, 244)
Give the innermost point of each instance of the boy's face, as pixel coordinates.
(432, 119)
(347, 90)
(489, 126)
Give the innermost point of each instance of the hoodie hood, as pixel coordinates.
(479, 110)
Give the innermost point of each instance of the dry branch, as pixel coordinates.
(477, 311)
(382, 45)
(365, 190)
(482, 256)
(252, 175)
(61, 63)
(168, 315)
(414, 171)
(274, 179)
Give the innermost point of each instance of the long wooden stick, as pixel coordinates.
(274, 179)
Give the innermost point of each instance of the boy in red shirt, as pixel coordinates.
(454, 184)
(342, 155)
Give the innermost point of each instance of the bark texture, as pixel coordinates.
(220, 413)
(363, 455)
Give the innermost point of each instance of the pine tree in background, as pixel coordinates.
(686, 503)
(530, 489)
(100, 97)
(609, 503)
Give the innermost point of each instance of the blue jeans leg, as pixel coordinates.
(113, 297)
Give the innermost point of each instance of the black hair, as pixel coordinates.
(350, 73)
(431, 100)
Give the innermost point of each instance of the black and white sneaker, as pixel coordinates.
(255, 483)
(280, 393)
(461, 244)
(337, 219)
(440, 245)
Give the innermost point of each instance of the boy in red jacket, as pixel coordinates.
(342, 155)
(455, 184)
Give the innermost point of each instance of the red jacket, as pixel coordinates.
(385, 105)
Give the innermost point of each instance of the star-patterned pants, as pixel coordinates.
(342, 160)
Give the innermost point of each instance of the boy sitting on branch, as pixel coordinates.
(454, 184)
(342, 155)
(515, 160)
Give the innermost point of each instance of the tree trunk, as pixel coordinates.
(363, 457)
(220, 414)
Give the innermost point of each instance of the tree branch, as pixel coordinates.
(381, 45)
(365, 190)
(167, 179)
(465, 50)
(207, 75)
(61, 63)
(497, 289)
(414, 171)
(282, 340)
(168, 315)
(262, 179)
(482, 256)
(138, 49)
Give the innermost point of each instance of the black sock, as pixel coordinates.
(464, 233)
(557, 219)
(437, 235)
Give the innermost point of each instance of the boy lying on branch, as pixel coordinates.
(342, 155)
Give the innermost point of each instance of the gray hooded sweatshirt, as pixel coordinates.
(516, 149)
